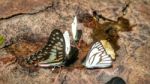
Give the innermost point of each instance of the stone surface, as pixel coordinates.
(33, 20)
(10, 8)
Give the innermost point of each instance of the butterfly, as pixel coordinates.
(77, 34)
(74, 29)
(97, 57)
(55, 51)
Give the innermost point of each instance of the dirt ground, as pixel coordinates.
(26, 24)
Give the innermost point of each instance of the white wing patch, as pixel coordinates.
(97, 57)
(67, 42)
(74, 28)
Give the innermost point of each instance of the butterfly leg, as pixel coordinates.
(53, 68)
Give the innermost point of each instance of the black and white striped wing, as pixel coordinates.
(97, 57)
(53, 54)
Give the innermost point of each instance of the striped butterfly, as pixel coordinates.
(67, 47)
(97, 57)
(53, 54)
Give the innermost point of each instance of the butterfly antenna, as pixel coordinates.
(98, 16)
(104, 18)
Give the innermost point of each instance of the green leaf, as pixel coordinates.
(2, 39)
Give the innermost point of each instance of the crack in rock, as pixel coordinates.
(52, 6)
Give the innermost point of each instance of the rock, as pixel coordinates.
(20, 18)
(15, 7)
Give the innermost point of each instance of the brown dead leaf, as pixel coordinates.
(7, 59)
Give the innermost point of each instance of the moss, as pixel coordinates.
(2, 40)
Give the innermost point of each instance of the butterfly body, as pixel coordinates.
(97, 57)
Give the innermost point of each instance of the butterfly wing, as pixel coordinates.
(67, 43)
(97, 57)
(53, 54)
(74, 29)
(109, 49)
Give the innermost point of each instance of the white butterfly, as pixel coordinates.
(67, 42)
(74, 29)
(97, 57)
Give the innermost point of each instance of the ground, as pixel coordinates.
(27, 24)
